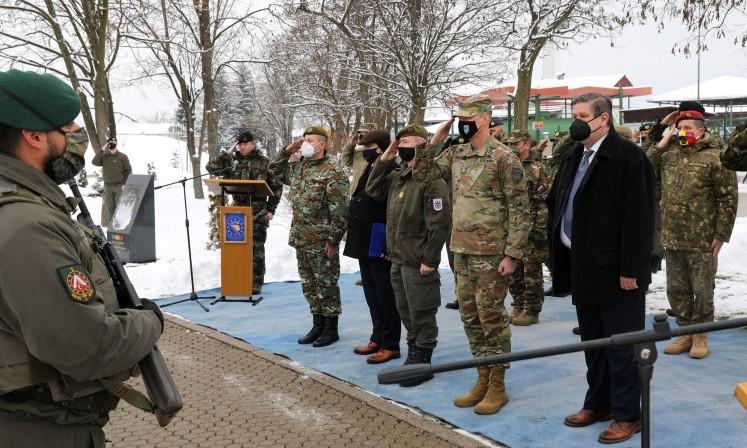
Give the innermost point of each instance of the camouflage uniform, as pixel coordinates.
(654, 156)
(489, 221)
(526, 284)
(252, 166)
(115, 170)
(734, 157)
(318, 198)
(698, 205)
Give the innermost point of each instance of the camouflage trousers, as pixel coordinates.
(110, 198)
(691, 279)
(526, 284)
(481, 292)
(319, 276)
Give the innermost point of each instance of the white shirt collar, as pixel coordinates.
(595, 146)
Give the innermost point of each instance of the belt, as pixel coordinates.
(102, 401)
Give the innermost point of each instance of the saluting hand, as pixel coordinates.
(390, 152)
(442, 132)
(295, 146)
(669, 119)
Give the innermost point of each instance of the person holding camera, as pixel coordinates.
(115, 169)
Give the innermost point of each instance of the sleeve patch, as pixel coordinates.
(517, 173)
(438, 204)
(77, 283)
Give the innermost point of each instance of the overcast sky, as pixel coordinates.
(640, 52)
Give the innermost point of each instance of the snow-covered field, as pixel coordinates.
(169, 275)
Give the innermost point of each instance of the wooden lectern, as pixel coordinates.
(236, 237)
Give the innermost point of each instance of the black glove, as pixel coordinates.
(150, 305)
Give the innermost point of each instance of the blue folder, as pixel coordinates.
(378, 240)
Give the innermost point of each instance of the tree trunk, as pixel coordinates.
(192, 151)
(208, 79)
(417, 113)
(521, 98)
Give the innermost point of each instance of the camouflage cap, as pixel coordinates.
(518, 135)
(316, 130)
(624, 131)
(412, 130)
(36, 102)
(367, 127)
(474, 105)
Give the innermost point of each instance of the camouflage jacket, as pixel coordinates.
(698, 195)
(734, 157)
(250, 167)
(115, 168)
(318, 198)
(538, 181)
(490, 203)
(353, 160)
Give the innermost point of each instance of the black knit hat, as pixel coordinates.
(245, 137)
(692, 105)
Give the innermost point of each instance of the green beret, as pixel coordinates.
(518, 135)
(316, 130)
(36, 102)
(412, 130)
(645, 127)
(474, 105)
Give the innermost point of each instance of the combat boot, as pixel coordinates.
(329, 333)
(526, 318)
(680, 345)
(315, 331)
(412, 353)
(699, 349)
(478, 391)
(496, 396)
(422, 356)
(515, 312)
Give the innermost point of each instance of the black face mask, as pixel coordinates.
(580, 129)
(370, 155)
(406, 154)
(467, 129)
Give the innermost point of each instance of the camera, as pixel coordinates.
(112, 145)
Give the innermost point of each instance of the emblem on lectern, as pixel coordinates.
(235, 228)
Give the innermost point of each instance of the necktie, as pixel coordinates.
(568, 213)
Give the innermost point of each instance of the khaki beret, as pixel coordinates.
(37, 102)
(474, 105)
(316, 130)
(518, 135)
(412, 130)
(624, 131)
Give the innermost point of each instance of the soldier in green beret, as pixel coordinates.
(489, 233)
(526, 283)
(61, 330)
(115, 169)
(319, 200)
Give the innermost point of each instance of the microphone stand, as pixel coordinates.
(193, 297)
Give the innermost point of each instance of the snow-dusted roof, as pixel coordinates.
(609, 81)
(722, 88)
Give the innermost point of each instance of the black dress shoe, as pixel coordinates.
(452, 305)
(576, 331)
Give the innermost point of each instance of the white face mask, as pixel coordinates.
(307, 149)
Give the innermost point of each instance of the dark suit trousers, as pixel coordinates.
(377, 287)
(612, 373)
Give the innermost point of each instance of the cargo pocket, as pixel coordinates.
(427, 290)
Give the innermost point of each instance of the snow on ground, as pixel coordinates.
(169, 275)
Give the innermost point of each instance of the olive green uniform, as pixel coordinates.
(319, 200)
(252, 166)
(418, 221)
(489, 221)
(698, 205)
(115, 171)
(354, 160)
(61, 329)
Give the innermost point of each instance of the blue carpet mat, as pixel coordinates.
(693, 401)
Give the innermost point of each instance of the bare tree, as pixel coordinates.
(77, 39)
(703, 19)
(417, 50)
(529, 25)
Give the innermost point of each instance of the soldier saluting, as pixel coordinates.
(61, 330)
